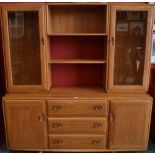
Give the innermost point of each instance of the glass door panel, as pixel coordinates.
(130, 44)
(24, 40)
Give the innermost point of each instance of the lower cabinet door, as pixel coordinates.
(25, 124)
(129, 124)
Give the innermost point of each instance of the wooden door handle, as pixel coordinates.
(41, 117)
(112, 41)
(112, 117)
(42, 40)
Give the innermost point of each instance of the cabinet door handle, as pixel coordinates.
(41, 117)
(97, 125)
(112, 41)
(57, 125)
(42, 40)
(112, 117)
(97, 107)
(57, 141)
(95, 142)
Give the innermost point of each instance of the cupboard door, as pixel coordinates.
(129, 124)
(130, 47)
(25, 124)
(24, 48)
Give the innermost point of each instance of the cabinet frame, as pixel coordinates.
(130, 88)
(131, 103)
(6, 48)
(27, 102)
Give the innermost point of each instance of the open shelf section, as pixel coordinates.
(77, 75)
(76, 61)
(92, 48)
(76, 19)
(78, 92)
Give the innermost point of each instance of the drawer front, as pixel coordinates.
(77, 125)
(77, 107)
(77, 142)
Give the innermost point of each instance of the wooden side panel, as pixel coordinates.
(129, 124)
(24, 124)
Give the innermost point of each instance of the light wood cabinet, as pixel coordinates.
(77, 76)
(130, 45)
(23, 35)
(129, 123)
(25, 123)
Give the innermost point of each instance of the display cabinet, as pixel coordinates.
(130, 45)
(77, 76)
(24, 31)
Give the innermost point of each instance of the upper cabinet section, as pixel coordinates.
(77, 19)
(130, 47)
(77, 44)
(24, 51)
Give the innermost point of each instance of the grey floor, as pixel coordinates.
(151, 148)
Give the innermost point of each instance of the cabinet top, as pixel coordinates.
(75, 3)
(77, 93)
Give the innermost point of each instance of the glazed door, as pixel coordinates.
(130, 47)
(24, 46)
(25, 124)
(129, 124)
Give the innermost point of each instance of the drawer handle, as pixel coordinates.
(57, 125)
(95, 142)
(97, 107)
(57, 141)
(56, 108)
(97, 125)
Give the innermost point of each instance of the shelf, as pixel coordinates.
(77, 34)
(76, 20)
(76, 61)
(78, 92)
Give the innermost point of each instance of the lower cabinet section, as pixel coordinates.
(25, 124)
(129, 124)
(31, 125)
(77, 142)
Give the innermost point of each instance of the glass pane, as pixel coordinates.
(130, 47)
(25, 47)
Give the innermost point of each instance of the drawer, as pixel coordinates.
(77, 141)
(77, 125)
(77, 107)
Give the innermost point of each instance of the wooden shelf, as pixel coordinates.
(81, 20)
(77, 34)
(76, 61)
